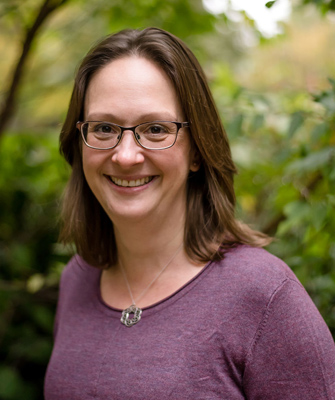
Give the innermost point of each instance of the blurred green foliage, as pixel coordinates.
(282, 135)
(324, 5)
(31, 180)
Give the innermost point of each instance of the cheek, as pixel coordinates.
(178, 163)
(185, 155)
(87, 164)
(92, 162)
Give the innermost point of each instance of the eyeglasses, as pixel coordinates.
(156, 135)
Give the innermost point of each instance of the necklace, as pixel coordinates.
(133, 309)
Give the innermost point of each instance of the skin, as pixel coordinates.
(148, 219)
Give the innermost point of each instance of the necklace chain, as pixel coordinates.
(137, 311)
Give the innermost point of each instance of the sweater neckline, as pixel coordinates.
(159, 305)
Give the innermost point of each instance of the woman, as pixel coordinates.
(169, 297)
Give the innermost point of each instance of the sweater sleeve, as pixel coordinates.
(293, 354)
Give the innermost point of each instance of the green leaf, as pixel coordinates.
(269, 4)
(297, 214)
(296, 121)
(312, 162)
(11, 384)
(257, 122)
(235, 126)
(319, 132)
(328, 101)
(327, 97)
(332, 82)
(319, 214)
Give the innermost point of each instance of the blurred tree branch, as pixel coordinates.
(8, 108)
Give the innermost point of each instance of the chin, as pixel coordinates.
(129, 214)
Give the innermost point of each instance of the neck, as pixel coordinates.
(145, 247)
(148, 252)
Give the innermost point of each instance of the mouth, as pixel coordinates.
(131, 183)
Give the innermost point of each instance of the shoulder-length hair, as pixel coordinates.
(211, 226)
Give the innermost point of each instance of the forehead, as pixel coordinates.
(131, 85)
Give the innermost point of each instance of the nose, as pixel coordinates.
(128, 152)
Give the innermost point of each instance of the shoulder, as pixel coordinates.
(76, 267)
(254, 281)
(289, 349)
(256, 261)
(78, 276)
(267, 288)
(255, 270)
(79, 285)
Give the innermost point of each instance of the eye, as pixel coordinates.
(155, 129)
(105, 128)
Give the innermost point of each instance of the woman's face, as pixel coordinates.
(129, 91)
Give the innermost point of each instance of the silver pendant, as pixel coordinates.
(131, 310)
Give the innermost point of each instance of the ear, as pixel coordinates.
(195, 162)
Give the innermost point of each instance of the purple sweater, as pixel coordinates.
(243, 328)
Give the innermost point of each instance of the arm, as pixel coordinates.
(293, 354)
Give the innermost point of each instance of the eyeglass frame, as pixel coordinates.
(179, 125)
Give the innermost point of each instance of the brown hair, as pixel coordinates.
(211, 226)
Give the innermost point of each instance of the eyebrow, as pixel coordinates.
(147, 117)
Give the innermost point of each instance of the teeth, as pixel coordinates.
(133, 183)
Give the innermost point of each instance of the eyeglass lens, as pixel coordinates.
(153, 135)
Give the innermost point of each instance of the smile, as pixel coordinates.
(132, 183)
